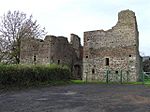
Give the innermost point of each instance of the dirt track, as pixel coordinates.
(78, 98)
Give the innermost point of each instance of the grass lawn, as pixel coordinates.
(146, 82)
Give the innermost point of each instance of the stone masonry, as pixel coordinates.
(113, 51)
(54, 50)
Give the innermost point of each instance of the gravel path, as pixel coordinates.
(78, 98)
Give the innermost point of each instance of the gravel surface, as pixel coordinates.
(78, 98)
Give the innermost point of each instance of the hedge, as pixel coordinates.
(27, 74)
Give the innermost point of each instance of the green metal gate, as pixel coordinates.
(119, 76)
(146, 77)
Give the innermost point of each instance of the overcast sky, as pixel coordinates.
(62, 17)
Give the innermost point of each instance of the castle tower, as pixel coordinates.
(114, 50)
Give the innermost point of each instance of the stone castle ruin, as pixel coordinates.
(113, 51)
(54, 50)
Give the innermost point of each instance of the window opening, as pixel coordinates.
(34, 58)
(107, 61)
(116, 72)
(93, 71)
(58, 62)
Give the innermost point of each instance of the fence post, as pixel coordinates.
(127, 76)
(121, 76)
(143, 77)
(107, 77)
(86, 78)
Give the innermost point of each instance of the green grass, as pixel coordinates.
(77, 82)
(62, 83)
(147, 82)
(134, 83)
(84, 82)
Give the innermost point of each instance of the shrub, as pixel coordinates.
(23, 75)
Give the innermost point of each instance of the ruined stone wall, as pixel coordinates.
(29, 50)
(53, 50)
(114, 50)
(75, 42)
(50, 50)
(60, 50)
(77, 59)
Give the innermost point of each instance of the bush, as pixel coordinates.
(22, 75)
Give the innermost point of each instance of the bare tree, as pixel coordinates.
(14, 27)
(3, 49)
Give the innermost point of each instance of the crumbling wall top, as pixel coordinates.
(124, 33)
(126, 17)
(48, 37)
(75, 41)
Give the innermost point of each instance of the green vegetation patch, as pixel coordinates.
(24, 75)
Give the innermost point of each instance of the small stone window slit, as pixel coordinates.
(58, 62)
(93, 71)
(107, 61)
(34, 58)
(116, 72)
